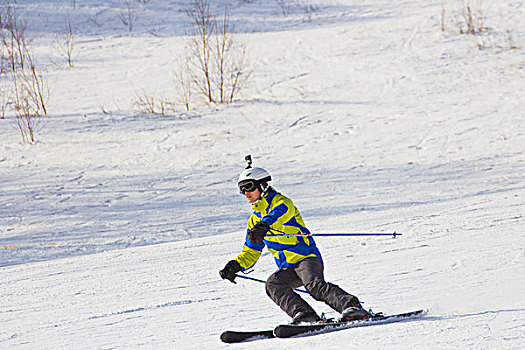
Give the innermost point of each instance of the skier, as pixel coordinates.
(298, 259)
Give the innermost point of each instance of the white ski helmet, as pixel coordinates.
(255, 174)
(258, 176)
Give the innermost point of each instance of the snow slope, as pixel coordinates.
(113, 226)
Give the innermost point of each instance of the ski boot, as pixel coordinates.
(303, 316)
(354, 313)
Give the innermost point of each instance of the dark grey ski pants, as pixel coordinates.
(308, 273)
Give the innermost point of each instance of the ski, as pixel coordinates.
(237, 336)
(289, 330)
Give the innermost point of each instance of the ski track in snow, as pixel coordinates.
(113, 226)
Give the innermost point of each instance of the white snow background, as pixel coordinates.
(114, 224)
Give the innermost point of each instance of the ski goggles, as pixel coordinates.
(248, 186)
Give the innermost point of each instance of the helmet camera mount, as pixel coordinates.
(248, 160)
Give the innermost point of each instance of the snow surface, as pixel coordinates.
(113, 226)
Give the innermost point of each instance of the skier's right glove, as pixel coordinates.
(258, 232)
(229, 271)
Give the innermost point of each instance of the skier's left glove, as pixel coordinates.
(230, 270)
(258, 232)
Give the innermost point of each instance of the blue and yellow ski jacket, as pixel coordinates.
(280, 213)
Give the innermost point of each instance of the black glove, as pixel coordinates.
(229, 271)
(257, 233)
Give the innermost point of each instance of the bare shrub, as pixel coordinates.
(35, 85)
(27, 122)
(66, 42)
(288, 6)
(238, 74)
(129, 15)
(200, 45)
(485, 42)
(95, 22)
(184, 81)
(154, 32)
(285, 6)
(471, 17)
(510, 41)
(29, 94)
(12, 36)
(218, 65)
(308, 9)
(103, 108)
(145, 105)
(5, 95)
(442, 17)
(150, 105)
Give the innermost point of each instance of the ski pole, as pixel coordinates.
(258, 280)
(394, 234)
